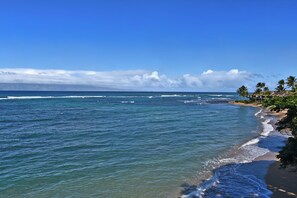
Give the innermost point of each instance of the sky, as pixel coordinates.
(182, 45)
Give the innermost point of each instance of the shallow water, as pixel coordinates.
(116, 144)
(243, 173)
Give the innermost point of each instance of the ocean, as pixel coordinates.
(132, 144)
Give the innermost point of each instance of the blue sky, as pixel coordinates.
(174, 38)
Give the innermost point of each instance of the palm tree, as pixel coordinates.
(259, 90)
(243, 91)
(280, 88)
(266, 91)
(260, 85)
(291, 81)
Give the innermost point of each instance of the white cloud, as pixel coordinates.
(218, 79)
(208, 72)
(129, 79)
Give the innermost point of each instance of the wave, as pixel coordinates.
(198, 101)
(46, 97)
(253, 141)
(236, 170)
(171, 95)
(216, 95)
(126, 102)
(239, 169)
(220, 98)
(229, 95)
(257, 113)
(267, 127)
(235, 180)
(127, 96)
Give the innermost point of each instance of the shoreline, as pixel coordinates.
(282, 182)
(245, 104)
(242, 160)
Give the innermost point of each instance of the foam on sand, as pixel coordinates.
(240, 173)
(253, 141)
(267, 127)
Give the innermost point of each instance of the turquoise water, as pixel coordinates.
(115, 144)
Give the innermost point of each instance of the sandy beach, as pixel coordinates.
(282, 182)
(244, 104)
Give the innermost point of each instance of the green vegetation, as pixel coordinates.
(243, 91)
(291, 83)
(277, 101)
(288, 154)
(281, 86)
(244, 101)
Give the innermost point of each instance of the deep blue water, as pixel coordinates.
(116, 144)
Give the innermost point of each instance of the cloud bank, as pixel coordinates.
(130, 79)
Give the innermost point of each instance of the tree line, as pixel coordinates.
(283, 98)
(263, 91)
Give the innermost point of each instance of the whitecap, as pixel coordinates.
(257, 113)
(172, 95)
(46, 97)
(220, 98)
(253, 141)
(267, 128)
(217, 95)
(191, 101)
(228, 160)
(26, 97)
(127, 102)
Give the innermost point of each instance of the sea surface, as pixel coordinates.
(131, 144)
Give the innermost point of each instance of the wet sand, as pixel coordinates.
(245, 104)
(283, 183)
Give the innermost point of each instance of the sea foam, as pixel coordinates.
(267, 127)
(126, 102)
(171, 95)
(257, 113)
(46, 97)
(253, 141)
(232, 168)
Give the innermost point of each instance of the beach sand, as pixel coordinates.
(282, 182)
(245, 104)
